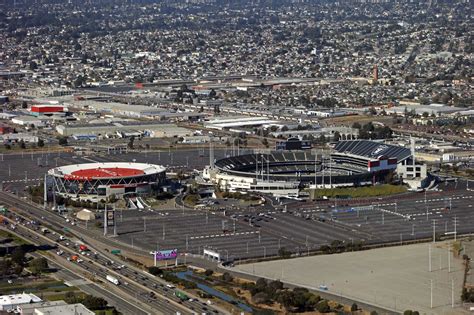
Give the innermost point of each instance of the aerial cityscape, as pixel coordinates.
(236, 157)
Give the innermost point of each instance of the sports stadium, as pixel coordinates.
(97, 180)
(284, 173)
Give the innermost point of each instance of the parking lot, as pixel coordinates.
(261, 231)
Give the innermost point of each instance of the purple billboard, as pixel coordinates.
(166, 254)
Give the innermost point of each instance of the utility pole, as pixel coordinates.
(449, 257)
(429, 257)
(455, 228)
(105, 220)
(144, 224)
(431, 293)
(452, 293)
(434, 230)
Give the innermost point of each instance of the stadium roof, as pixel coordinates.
(372, 149)
(108, 170)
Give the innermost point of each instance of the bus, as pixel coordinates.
(181, 295)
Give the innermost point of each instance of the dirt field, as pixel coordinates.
(396, 278)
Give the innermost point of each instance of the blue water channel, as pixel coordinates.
(184, 275)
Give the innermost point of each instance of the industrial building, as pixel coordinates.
(111, 130)
(239, 121)
(47, 110)
(10, 302)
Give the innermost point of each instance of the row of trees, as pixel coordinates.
(338, 246)
(296, 300)
(15, 263)
(89, 301)
(171, 277)
(22, 144)
(371, 131)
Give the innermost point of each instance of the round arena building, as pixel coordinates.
(97, 180)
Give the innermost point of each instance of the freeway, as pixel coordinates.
(93, 269)
(135, 280)
(71, 274)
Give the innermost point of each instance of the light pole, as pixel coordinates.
(264, 252)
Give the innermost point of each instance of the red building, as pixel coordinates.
(46, 109)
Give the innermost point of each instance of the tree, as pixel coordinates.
(354, 307)
(337, 136)
(265, 142)
(275, 285)
(62, 141)
(356, 125)
(261, 298)
(209, 272)
(22, 144)
(286, 298)
(24, 105)
(130, 142)
(282, 252)
(322, 139)
(261, 284)
(323, 306)
(40, 143)
(38, 265)
(70, 297)
(94, 303)
(155, 270)
(5, 266)
(212, 94)
(33, 65)
(18, 256)
(227, 277)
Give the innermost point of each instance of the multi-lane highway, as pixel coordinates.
(136, 283)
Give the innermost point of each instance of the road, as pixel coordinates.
(137, 282)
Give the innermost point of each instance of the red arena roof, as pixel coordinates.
(105, 173)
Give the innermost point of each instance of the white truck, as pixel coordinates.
(112, 279)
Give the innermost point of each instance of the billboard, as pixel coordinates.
(110, 217)
(166, 254)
